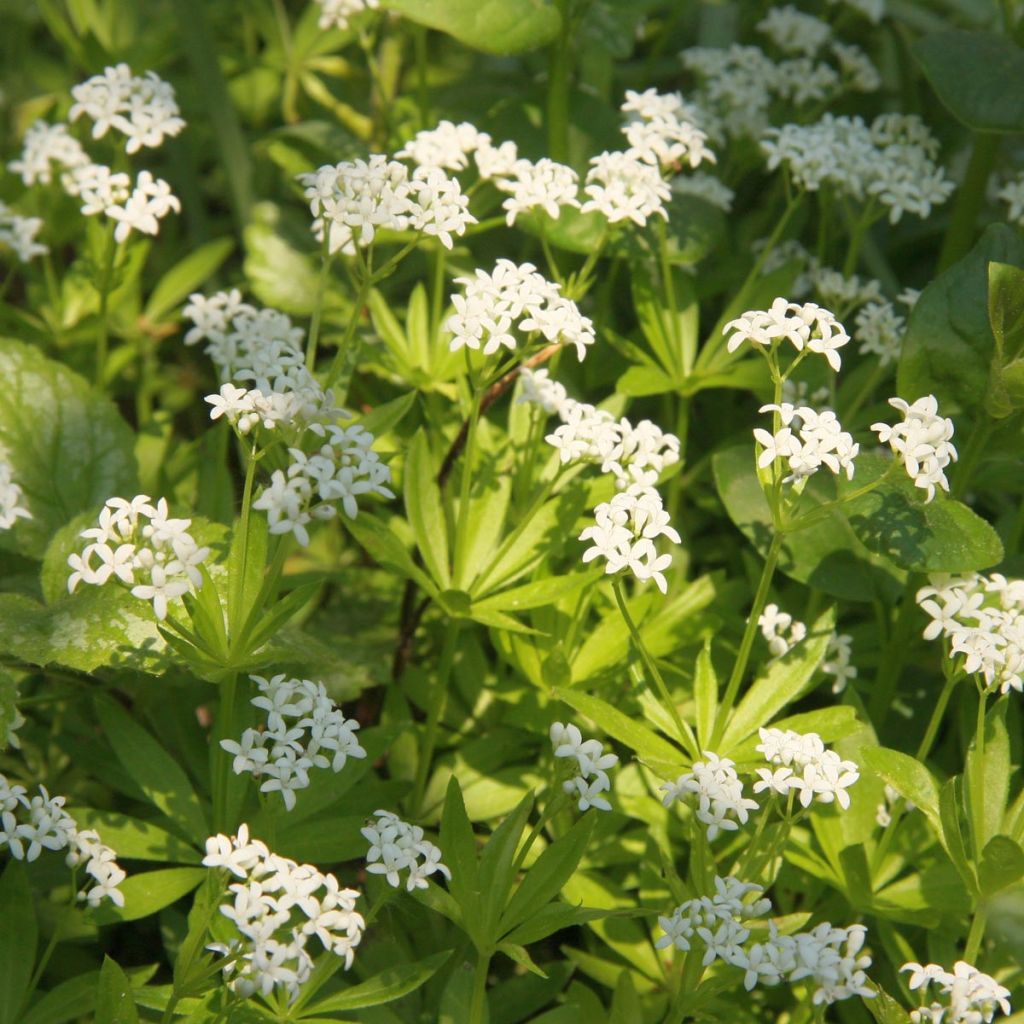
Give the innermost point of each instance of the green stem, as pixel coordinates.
(824, 510)
(747, 642)
(438, 700)
(558, 90)
(551, 808)
(685, 732)
(685, 359)
(318, 305)
(103, 331)
(236, 614)
(465, 483)
(978, 781)
(975, 935)
(970, 198)
(221, 767)
(344, 359)
(478, 1004)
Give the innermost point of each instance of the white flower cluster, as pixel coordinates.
(277, 906)
(829, 958)
(890, 797)
(45, 144)
(263, 350)
(19, 234)
(806, 326)
(620, 186)
(982, 617)
(449, 145)
(396, 846)
(12, 498)
(879, 330)
(1012, 193)
(793, 31)
(624, 532)
(11, 733)
(921, 442)
(969, 995)
(838, 661)
(303, 730)
(807, 441)
(514, 298)
(804, 765)
(355, 199)
(704, 186)
(342, 469)
(336, 13)
(721, 804)
(29, 825)
(544, 184)
(774, 624)
(840, 292)
(592, 766)
(134, 538)
(662, 129)
(143, 109)
(892, 160)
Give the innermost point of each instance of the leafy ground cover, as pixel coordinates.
(511, 511)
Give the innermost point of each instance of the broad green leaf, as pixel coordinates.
(536, 594)
(827, 556)
(115, 1003)
(493, 26)
(705, 694)
(147, 892)
(279, 272)
(785, 680)
(894, 521)
(1006, 317)
(389, 985)
(382, 544)
(1002, 864)
(885, 1009)
(948, 347)
(979, 76)
(552, 869)
(458, 844)
(626, 1006)
(425, 510)
(640, 381)
(382, 419)
(324, 839)
(153, 769)
(695, 227)
(909, 777)
(68, 1001)
(994, 770)
(68, 448)
(637, 736)
(671, 336)
(186, 276)
(487, 511)
(951, 805)
(17, 940)
(135, 839)
(496, 866)
(570, 230)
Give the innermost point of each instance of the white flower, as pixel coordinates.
(970, 996)
(592, 766)
(396, 846)
(447, 146)
(545, 184)
(803, 325)
(45, 144)
(663, 130)
(12, 498)
(276, 907)
(97, 187)
(805, 766)
(719, 792)
(150, 201)
(706, 187)
(921, 442)
(792, 31)
(774, 623)
(336, 13)
(837, 661)
(19, 234)
(143, 109)
(621, 187)
(815, 439)
(1011, 193)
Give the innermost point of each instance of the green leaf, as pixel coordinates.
(186, 276)
(885, 1009)
(1006, 318)
(147, 892)
(68, 1001)
(519, 955)
(1002, 864)
(637, 736)
(554, 918)
(785, 680)
(156, 773)
(536, 594)
(827, 556)
(458, 845)
(115, 1003)
(909, 777)
(384, 546)
(571, 230)
(994, 770)
(425, 511)
(493, 26)
(705, 694)
(950, 808)
(496, 866)
(894, 521)
(324, 839)
(672, 338)
(68, 448)
(382, 419)
(386, 987)
(626, 1006)
(949, 345)
(552, 869)
(979, 76)
(17, 940)
(279, 272)
(135, 839)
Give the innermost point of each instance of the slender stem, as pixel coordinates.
(58, 929)
(318, 305)
(970, 197)
(438, 699)
(478, 1004)
(221, 767)
(684, 360)
(238, 583)
(465, 482)
(343, 358)
(975, 935)
(978, 781)
(551, 808)
(103, 331)
(685, 732)
(824, 510)
(558, 89)
(747, 642)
